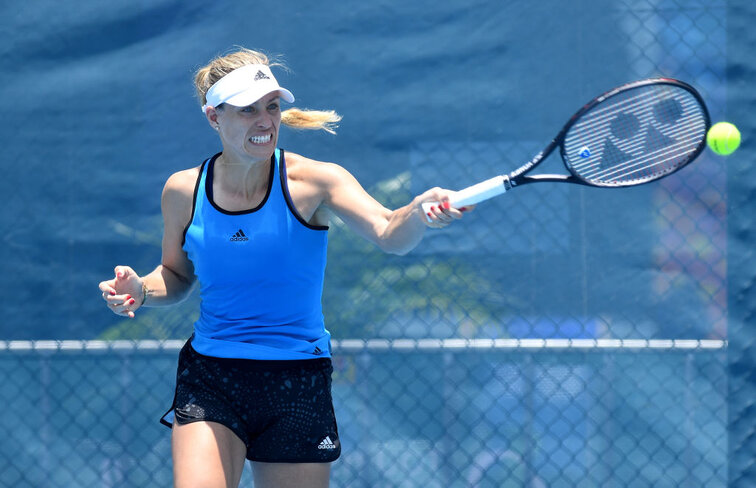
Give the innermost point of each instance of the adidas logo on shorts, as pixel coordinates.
(327, 444)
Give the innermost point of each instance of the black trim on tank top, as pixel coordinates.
(289, 201)
(194, 197)
(209, 188)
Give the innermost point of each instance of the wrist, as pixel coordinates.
(145, 292)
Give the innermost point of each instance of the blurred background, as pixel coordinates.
(558, 336)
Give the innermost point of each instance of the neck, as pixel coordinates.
(237, 178)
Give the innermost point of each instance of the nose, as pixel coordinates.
(264, 121)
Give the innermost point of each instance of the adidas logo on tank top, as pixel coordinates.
(239, 236)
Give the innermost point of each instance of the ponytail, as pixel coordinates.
(326, 120)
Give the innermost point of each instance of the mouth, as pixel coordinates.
(261, 139)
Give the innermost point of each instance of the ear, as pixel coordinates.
(212, 116)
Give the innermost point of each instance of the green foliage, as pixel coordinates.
(365, 289)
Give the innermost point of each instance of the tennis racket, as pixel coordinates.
(634, 134)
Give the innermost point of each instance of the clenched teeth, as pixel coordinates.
(260, 139)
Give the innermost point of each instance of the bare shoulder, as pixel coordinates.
(178, 192)
(182, 182)
(334, 188)
(302, 169)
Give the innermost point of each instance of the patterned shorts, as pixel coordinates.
(281, 410)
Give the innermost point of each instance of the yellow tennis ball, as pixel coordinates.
(723, 138)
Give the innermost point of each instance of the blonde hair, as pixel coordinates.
(296, 118)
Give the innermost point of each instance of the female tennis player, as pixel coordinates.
(250, 223)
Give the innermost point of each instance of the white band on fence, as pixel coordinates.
(356, 345)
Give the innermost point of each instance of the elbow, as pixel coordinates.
(400, 252)
(184, 289)
(177, 292)
(398, 246)
(397, 250)
(400, 240)
(180, 287)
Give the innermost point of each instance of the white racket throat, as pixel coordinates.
(474, 194)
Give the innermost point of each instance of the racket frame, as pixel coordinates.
(503, 183)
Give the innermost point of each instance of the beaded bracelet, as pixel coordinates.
(144, 292)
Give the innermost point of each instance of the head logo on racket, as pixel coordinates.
(634, 134)
(641, 132)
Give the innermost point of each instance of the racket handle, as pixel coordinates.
(475, 193)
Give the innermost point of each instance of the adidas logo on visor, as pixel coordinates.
(244, 86)
(239, 236)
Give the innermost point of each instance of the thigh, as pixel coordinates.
(291, 475)
(207, 455)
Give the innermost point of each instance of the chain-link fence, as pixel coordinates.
(437, 413)
(557, 337)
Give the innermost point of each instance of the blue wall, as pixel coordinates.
(99, 110)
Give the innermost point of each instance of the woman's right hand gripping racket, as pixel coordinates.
(634, 134)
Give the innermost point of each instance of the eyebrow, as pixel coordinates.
(272, 99)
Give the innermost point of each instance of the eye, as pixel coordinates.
(248, 110)
(273, 107)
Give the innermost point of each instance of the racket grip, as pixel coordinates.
(475, 193)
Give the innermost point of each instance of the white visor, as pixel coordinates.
(244, 86)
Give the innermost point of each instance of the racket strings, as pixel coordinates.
(651, 154)
(625, 102)
(641, 115)
(688, 137)
(655, 168)
(674, 154)
(641, 134)
(597, 132)
(685, 125)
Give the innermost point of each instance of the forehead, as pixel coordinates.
(271, 97)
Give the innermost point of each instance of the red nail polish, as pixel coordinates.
(112, 292)
(447, 205)
(463, 209)
(128, 297)
(132, 302)
(430, 215)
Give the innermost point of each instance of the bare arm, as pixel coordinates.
(394, 231)
(172, 280)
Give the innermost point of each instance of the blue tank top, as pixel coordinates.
(260, 272)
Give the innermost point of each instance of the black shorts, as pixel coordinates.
(281, 410)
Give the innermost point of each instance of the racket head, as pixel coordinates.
(635, 134)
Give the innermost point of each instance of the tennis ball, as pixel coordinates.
(723, 138)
